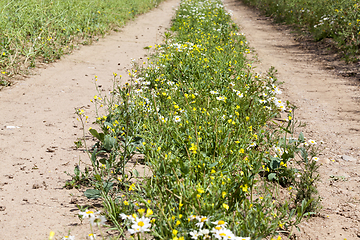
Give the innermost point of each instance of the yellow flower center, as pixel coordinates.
(203, 219)
(221, 222)
(141, 224)
(89, 212)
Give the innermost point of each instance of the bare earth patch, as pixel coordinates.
(38, 128)
(329, 106)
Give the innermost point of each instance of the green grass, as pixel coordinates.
(44, 30)
(203, 121)
(336, 19)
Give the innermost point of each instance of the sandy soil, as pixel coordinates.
(38, 128)
(329, 105)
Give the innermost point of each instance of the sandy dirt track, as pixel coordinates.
(35, 155)
(329, 106)
(38, 126)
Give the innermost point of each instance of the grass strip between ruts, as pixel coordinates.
(204, 122)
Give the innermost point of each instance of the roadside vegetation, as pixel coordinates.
(338, 20)
(42, 31)
(217, 145)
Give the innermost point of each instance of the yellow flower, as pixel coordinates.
(51, 235)
(200, 190)
(126, 203)
(225, 206)
(132, 187)
(193, 148)
(141, 211)
(149, 212)
(174, 231)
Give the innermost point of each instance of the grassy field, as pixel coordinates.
(43, 30)
(219, 165)
(336, 19)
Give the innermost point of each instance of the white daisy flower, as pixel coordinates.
(239, 94)
(68, 238)
(91, 236)
(221, 98)
(252, 145)
(223, 233)
(312, 142)
(124, 217)
(98, 219)
(220, 223)
(262, 101)
(195, 234)
(214, 92)
(202, 220)
(177, 119)
(141, 225)
(204, 232)
(87, 214)
(138, 90)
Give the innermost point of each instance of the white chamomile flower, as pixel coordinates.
(312, 142)
(177, 119)
(140, 225)
(239, 94)
(98, 219)
(138, 90)
(87, 214)
(204, 232)
(262, 101)
(202, 220)
(91, 236)
(252, 145)
(220, 223)
(195, 234)
(221, 98)
(68, 238)
(223, 233)
(130, 217)
(315, 159)
(214, 92)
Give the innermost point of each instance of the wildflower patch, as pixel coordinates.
(203, 121)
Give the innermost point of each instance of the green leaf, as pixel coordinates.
(109, 142)
(94, 133)
(272, 176)
(92, 194)
(136, 173)
(301, 137)
(107, 186)
(275, 163)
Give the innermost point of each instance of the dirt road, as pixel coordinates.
(38, 128)
(329, 106)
